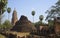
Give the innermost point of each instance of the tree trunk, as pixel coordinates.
(33, 19)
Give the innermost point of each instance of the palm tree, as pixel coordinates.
(33, 13)
(8, 10)
(41, 18)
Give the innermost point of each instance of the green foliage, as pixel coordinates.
(54, 11)
(41, 17)
(37, 24)
(3, 10)
(58, 3)
(51, 23)
(51, 26)
(6, 25)
(9, 10)
(3, 3)
(33, 13)
(3, 6)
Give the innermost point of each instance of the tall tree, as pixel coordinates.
(8, 10)
(33, 13)
(54, 11)
(3, 4)
(41, 18)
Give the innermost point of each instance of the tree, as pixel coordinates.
(41, 18)
(8, 10)
(7, 25)
(37, 24)
(54, 11)
(33, 13)
(3, 4)
(50, 22)
(51, 26)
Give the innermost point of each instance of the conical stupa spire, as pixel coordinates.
(14, 17)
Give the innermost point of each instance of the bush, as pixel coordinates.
(6, 25)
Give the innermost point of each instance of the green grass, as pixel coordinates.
(2, 36)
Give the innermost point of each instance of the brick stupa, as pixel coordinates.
(23, 25)
(14, 17)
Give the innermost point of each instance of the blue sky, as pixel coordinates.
(25, 7)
